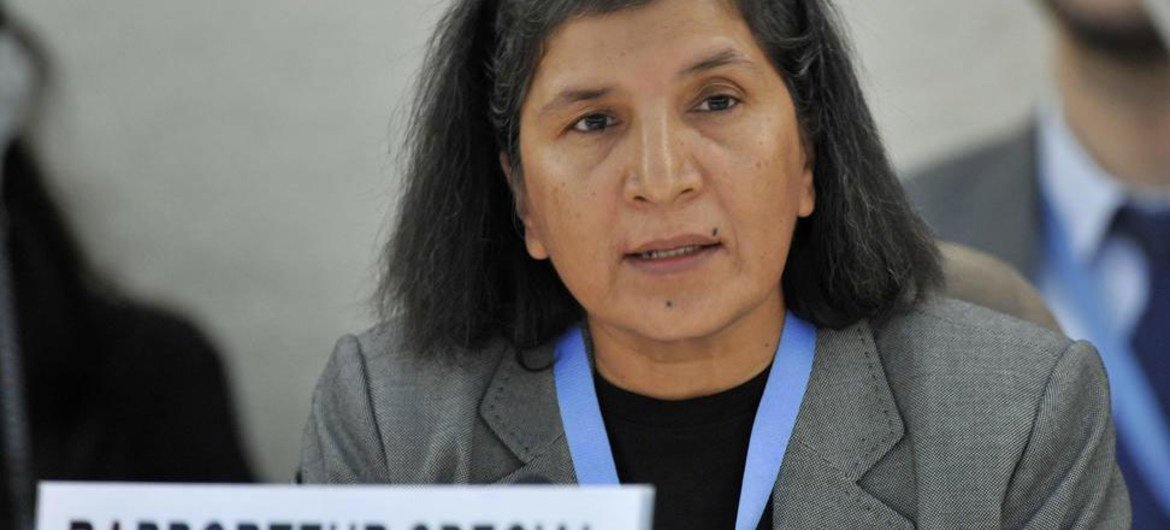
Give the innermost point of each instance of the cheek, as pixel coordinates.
(577, 235)
(761, 182)
(569, 211)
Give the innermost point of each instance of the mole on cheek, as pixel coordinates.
(714, 231)
(669, 304)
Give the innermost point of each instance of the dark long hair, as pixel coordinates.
(456, 269)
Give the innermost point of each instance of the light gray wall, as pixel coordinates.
(234, 158)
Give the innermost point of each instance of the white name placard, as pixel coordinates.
(120, 506)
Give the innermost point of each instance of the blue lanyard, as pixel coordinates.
(1143, 428)
(771, 430)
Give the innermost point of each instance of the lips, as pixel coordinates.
(672, 244)
(674, 254)
(665, 254)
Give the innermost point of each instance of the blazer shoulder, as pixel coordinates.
(1028, 407)
(384, 412)
(969, 363)
(946, 334)
(410, 379)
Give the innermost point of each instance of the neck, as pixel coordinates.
(693, 367)
(1120, 112)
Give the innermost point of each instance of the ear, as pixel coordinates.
(532, 238)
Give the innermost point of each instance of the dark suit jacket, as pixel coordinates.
(949, 416)
(988, 199)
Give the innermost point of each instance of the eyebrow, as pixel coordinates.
(724, 57)
(575, 95)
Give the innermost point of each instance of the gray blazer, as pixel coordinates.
(950, 416)
(988, 199)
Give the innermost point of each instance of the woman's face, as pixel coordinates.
(663, 168)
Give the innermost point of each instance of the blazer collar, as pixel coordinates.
(847, 423)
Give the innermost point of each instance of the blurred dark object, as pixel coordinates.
(116, 390)
(112, 389)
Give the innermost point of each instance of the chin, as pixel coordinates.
(686, 316)
(678, 327)
(683, 320)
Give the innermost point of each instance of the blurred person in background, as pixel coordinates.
(93, 385)
(1080, 201)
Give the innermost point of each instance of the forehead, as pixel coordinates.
(660, 34)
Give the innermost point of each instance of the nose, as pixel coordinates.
(662, 170)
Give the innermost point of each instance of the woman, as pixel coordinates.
(673, 222)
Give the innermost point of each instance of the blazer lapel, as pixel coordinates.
(847, 423)
(520, 407)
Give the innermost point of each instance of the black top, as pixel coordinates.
(693, 451)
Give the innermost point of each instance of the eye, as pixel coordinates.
(716, 103)
(594, 123)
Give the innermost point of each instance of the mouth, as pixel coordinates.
(655, 255)
(673, 255)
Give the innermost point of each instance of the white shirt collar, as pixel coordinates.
(1082, 195)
